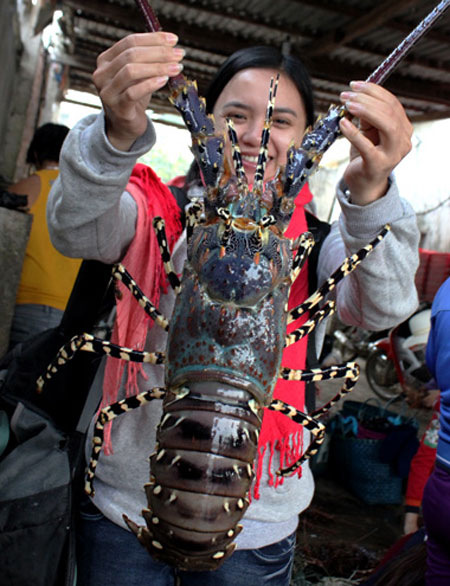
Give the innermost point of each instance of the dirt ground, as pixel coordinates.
(340, 538)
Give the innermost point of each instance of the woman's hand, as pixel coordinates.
(411, 523)
(127, 74)
(380, 142)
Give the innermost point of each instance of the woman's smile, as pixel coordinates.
(244, 100)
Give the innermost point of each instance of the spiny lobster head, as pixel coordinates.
(238, 261)
(239, 253)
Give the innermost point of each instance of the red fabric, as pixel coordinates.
(178, 181)
(433, 270)
(143, 261)
(278, 431)
(422, 465)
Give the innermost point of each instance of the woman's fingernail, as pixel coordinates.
(161, 80)
(352, 107)
(346, 96)
(171, 38)
(357, 85)
(179, 53)
(175, 68)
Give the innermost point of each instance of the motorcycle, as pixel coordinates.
(395, 364)
(345, 343)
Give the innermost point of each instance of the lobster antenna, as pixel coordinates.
(384, 69)
(303, 161)
(236, 155)
(153, 25)
(262, 157)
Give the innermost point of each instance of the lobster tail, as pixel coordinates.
(202, 467)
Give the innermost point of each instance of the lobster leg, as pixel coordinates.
(263, 149)
(159, 226)
(328, 309)
(316, 428)
(304, 244)
(351, 375)
(236, 156)
(349, 265)
(120, 273)
(108, 414)
(193, 218)
(89, 343)
(348, 371)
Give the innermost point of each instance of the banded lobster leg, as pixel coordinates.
(349, 265)
(350, 372)
(88, 343)
(105, 416)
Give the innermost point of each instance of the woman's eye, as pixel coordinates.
(236, 116)
(282, 121)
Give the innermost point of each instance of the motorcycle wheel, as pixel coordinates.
(381, 376)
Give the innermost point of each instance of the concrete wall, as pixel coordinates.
(22, 92)
(14, 231)
(21, 84)
(10, 47)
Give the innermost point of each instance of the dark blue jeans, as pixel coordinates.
(111, 556)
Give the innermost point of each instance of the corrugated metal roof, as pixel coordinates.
(339, 41)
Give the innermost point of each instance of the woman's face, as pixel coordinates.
(244, 100)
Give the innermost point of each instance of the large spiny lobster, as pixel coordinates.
(227, 333)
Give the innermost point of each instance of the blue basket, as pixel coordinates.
(357, 465)
(364, 410)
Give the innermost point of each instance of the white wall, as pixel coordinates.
(423, 178)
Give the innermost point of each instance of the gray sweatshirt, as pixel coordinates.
(91, 215)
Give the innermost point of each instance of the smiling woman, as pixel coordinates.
(289, 117)
(113, 219)
(240, 91)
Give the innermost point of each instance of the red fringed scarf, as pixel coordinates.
(143, 261)
(278, 432)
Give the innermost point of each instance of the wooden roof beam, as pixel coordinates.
(398, 84)
(363, 24)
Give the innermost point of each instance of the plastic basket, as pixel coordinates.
(356, 461)
(357, 465)
(364, 410)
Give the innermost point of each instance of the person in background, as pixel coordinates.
(421, 467)
(96, 210)
(47, 276)
(436, 497)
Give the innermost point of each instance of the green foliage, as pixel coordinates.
(171, 155)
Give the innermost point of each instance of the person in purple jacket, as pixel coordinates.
(436, 500)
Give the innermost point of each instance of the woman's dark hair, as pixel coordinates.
(46, 143)
(262, 57)
(259, 57)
